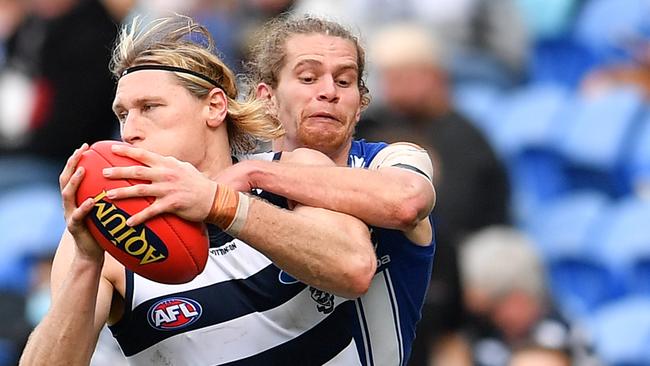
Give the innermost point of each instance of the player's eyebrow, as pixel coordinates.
(307, 63)
(118, 105)
(345, 66)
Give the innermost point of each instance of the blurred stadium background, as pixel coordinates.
(559, 90)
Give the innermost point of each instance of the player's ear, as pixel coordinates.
(265, 92)
(216, 107)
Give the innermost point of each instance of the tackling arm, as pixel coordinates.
(395, 192)
(327, 250)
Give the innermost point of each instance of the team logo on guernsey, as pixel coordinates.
(357, 161)
(173, 313)
(324, 300)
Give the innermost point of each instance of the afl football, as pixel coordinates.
(166, 248)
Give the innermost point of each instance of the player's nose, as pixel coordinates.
(327, 90)
(131, 130)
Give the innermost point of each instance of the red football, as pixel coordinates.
(165, 249)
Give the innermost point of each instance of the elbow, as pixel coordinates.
(359, 281)
(408, 216)
(361, 270)
(416, 204)
(358, 264)
(364, 277)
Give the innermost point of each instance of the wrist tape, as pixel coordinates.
(229, 210)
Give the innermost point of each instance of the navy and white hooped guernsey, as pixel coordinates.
(241, 310)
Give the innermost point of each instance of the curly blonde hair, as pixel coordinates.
(179, 41)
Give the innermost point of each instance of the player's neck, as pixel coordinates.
(217, 158)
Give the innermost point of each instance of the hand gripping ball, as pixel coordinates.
(166, 248)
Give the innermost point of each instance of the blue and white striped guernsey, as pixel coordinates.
(242, 310)
(385, 318)
(387, 315)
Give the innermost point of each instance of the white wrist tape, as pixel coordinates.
(241, 215)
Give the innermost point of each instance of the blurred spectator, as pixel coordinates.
(533, 355)
(415, 95)
(471, 186)
(635, 73)
(505, 290)
(546, 19)
(620, 33)
(55, 87)
(22, 312)
(38, 296)
(486, 39)
(260, 11)
(220, 17)
(230, 22)
(159, 7)
(252, 14)
(15, 329)
(11, 14)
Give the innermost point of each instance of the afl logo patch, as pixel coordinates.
(173, 313)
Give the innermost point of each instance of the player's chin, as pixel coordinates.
(321, 129)
(324, 141)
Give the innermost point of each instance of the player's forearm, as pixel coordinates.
(326, 254)
(67, 335)
(391, 198)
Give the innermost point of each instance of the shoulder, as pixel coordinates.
(404, 155)
(366, 148)
(362, 152)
